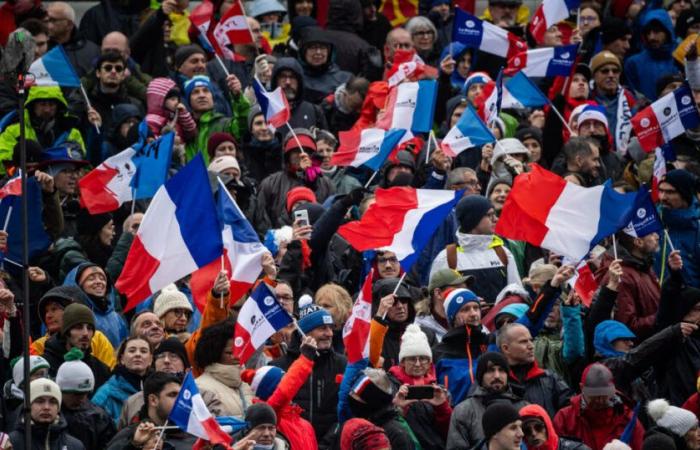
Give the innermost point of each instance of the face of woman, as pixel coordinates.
(107, 233)
(589, 19)
(423, 39)
(304, 7)
(137, 356)
(416, 366)
(325, 151)
(227, 357)
(329, 305)
(464, 65)
(692, 438)
(498, 196)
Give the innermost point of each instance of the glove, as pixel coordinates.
(308, 351)
(354, 197)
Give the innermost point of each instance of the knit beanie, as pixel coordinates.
(597, 380)
(169, 298)
(303, 137)
(297, 194)
(684, 182)
(264, 381)
(476, 78)
(495, 358)
(678, 420)
(516, 310)
(592, 112)
(603, 58)
(63, 295)
(470, 210)
(260, 414)
(414, 343)
(35, 363)
(254, 111)
(222, 163)
(659, 441)
(374, 388)
(496, 417)
(312, 316)
(75, 314)
(74, 376)
(184, 52)
(173, 345)
(616, 445)
(690, 296)
(529, 133)
(43, 387)
(196, 81)
(455, 299)
(360, 434)
(218, 138)
(91, 224)
(612, 29)
(385, 286)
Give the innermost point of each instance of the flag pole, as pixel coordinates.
(431, 137)
(89, 105)
(556, 111)
(396, 289)
(162, 432)
(578, 18)
(221, 63)
(614, 246)
(7, 218)
(668, 238)
(296, 138)
(374, 174)
(221, 299)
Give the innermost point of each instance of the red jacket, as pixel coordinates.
(597, 428)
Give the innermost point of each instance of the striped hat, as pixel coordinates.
(592, 112)
(265, 381)
(455, 299)
(476, 77)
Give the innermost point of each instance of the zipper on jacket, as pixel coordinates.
(311, 399)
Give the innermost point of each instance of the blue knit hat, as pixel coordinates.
(455, 299)
(196, 81)
(312, 316)
(516, 310)
(470, 210)
(265, 381)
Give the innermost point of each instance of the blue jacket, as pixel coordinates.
(608, 331)
(645, 68)
(112, 395)
(109, 322)
(684, 230)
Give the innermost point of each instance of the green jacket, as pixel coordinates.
(212, 122)
(10, 136)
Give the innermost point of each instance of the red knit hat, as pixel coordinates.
(298, 194)
(217, 139)
(360, 434)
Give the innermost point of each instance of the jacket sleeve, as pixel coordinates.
(239, 121)
(149, 34)
(573, 347)
(349, 376)
(627, 310)
(653, 349)
(189, 126)
(213, 313)
(540, 309)
(52, 214)
(668, 305)
(377, 330)
(442, 415)
(435, 180)
(291, 382)
(458, 435)
(290, 267)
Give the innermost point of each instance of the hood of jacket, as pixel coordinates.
(86, 300)
(156, 93)
(681, 219)
(474, 242)
(225, 374)
(46, 93)
(345, 15)
(538, 412)
(662, 17)
(292, 64)
(607, 332)
(311, 35)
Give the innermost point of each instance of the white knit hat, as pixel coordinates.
(42, 387)
(35, 363)
(414, 343)
(224, 162)
(170, 298)
(677, 420)
(74, 375)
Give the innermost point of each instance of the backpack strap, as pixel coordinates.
(451, 252)
(501, 253)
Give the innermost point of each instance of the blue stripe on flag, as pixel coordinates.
(391, 140)
(425, 106)
(229, 214)
(152, 162)
(687, 112)
(525, 91)
(261, 96)
(615, 212)
(267, 303)
(471, 126)
(59, 67)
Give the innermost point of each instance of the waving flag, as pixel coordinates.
(191, 415)
(13, 185)
(520, 92)
(490, 101)
(550, 13)
(408, 65)
(584, 283)
(545, 210)
(202, 17)
(39, 240)
(152, 163)
(645, 219)
(402, 220)
(468, 132)
(273, 104)
(410, 106)
(666, 118)
(485, 36)
(242, 252)
(544, 62)
(663, 155)
(178, 234)
(54, 69)
(369, 147)
(260, 317)
(356, 328)
(233, 26)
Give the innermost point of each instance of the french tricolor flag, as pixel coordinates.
(54, 69)
(490, 101)
(178, 234)
(550, 13)
(233, 26)
(191, 415)
(663, 155)
(544, 62)
(407, 64)
(520, 92)
(545, 210)
(13, 186)
(356, 329)
(485, 36)
(260, 317)
(469, 131)
(666, 118)
(410, 106)
(584, 283)
(369, 147)
(402, 220)
(274, 104)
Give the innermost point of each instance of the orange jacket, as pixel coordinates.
(214, 311)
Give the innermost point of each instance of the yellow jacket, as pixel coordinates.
(100, 348)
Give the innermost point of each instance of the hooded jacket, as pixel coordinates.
(645, 68)
(683, 227)
(303, 113)
(554, 442)
(46, 437)
(157, 116)
(81, 52)
(353, 53)
(112, 395)
(110, 15)
(320, 81)
(55, 350)
(90, 424)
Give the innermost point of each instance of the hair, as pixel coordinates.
(132, 326)
(504, 334)
(577, 146)
(212, 342)
(625, 240)
(389, 41)
(364, 204)
(155, 383)
(338, 295)
(122, 346)
(357, 85)
(325, 136)
(420, 23)
(110, 56)
(35, 27)
(455, 176)
(594, 7)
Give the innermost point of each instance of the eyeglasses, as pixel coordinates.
(317, 47)
(109, 67)
(423, 33)
(612, 70)
(417, 359)
(179, 312)
(536, 427)
(169, 355)
(55, 19)
(390, 259)
(285, 298)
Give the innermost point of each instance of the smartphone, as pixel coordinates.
(301, 217)
(420, 392)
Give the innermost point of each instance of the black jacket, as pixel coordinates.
(303, 113)
(262, 158)
(148, 47)
(319, 394)
(541, 387)
(46, 437)
(109, 15)
(81, 52)
(55, 349)
(90, 424)
(172, 440)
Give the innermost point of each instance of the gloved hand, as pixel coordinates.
(354, 197)
(308, 347)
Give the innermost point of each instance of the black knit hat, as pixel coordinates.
(470, 210)
(63, 295)
(173, 345)
(613, 29)
(684, 182)
(260, 414)
(496, 417)
(91, 224)
(184, 52)
(529, 133)
(495, 358)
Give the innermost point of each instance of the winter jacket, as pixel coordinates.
(683, 227)
(303, 114)
(55, 350)
(64, 128)
(318, 396)
(46, 437)
(429, 322)
(353, 53)
(90, 424)
(130, 410)
(100, 348)
(645, 68)
(112, 395)
(541, 387)
(320, 81)
(172, 439)
(149, 48)
(343, 183)
(110, 15)
(398, 432)
(157, 116)
(556, 350)
(597, 428)
(223, 391)
(82, 53)
(261, 158)
(465, 424)
(296, 429)
(476, 255)
(554, 442)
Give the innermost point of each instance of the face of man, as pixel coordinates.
(94, 281)
(648, 244)
(388, 265)
(111, 74)
(265, 434)
(44, 410)
(70, 400)
(518, 347)
(196, 64)
(44, 109)
(592, 127)
(149, 327)
(41, 45)
(655, 36)
(623, 345)
(470, 184)
(475, 90)
(323, 336)
(469, 314)
(670, 198)
(607, 79)
(66, 181)
(60, 27)
(589, 163)
(579, 87)
(259, 129)
(80, 336)
(509, 438)
(457, 114)
(693, 316)
(116, 42)
(289, 83)
(503, 14)
(325, 151)
(201, 99)
(397, 39)
(169, 362)
(255, 30)
(487, 224)
(495, 379)
(620, 47)
(399, 310)
(317, 54)
(597, 402)
(395, 170)
(163, 403)
(285, 295)
(553, 320)
(552, 37)
(535, 433)
(53, 316)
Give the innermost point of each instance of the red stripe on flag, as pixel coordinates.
(646, 127)
(138, 270)
(94, 195)
(585, 285)
(243, 347)
(347, 151)
(215, 433)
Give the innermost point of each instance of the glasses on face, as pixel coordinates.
(116, 67)
(417, 360)
(169, 355)
(317, 48)
(532, 428)
(179, 312)
(285, 298)
(608, 70)
(387, 259)
(423, 33)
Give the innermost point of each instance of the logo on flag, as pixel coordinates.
(645, 220)
(369, 147)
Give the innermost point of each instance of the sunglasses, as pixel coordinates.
(115, 67)
(612, 70)
(536, 427)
